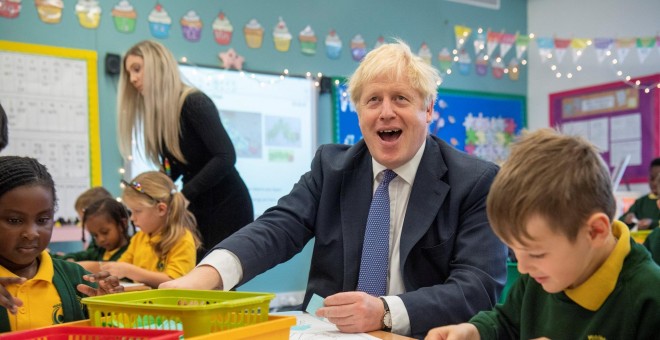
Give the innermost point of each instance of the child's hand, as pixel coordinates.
(6, 299)
(108, 284)
(118, 269)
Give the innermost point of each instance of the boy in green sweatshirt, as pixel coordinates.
(583, 277)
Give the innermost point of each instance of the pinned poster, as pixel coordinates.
(561, 45)
(603, 48)
(10, 8)
(546, 46)
(644, 47)
(522, 42)
(577, 47)
(479, 40)
(462, 33)
(623, 46)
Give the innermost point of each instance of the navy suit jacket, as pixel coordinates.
(453, 264)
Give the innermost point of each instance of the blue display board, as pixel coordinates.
(482, 124)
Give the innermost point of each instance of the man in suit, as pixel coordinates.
(444, 262)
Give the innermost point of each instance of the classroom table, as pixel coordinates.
(388, 336)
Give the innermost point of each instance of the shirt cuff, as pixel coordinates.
(227, 264)
(399, 313)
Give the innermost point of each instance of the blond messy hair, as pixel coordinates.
(158, 186)
(395, 61)
(158, 109)
(557, 177)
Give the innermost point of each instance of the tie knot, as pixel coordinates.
(388, 175)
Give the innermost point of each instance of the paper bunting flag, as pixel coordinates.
(644, 46)
(462, 34)
(546, 46)
(493, 39)
(522, 41)
(623, 46)
(577, 47)
(603, 47)
(479, 40)
(445, 60)
(561, 45)
(507, 40)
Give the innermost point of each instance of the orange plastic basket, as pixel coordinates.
(196, 312)
(91, 333)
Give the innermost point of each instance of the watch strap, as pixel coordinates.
(387, 315)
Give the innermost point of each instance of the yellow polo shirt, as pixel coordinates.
(42, 305)
(178, 262)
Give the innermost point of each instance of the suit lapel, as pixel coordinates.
(357, 185)
(426, 196)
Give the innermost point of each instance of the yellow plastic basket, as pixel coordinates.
(196, 312)
(276, 328)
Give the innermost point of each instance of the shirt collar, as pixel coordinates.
(593, 292)
(44, 272)
(653, 196)
(407, 171)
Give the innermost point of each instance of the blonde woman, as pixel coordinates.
(184, 135)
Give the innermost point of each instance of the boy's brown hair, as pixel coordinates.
(558, 177)
(90, 196)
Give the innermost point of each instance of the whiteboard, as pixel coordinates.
(271, 121)
(50, 97)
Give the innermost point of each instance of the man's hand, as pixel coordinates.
(202, 277)
(644, 224)
(353, 312)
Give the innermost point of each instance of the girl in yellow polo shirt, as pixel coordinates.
(35, 289)
(165, 247)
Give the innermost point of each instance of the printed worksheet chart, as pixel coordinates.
(46, 100)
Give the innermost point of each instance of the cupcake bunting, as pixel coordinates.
(358, 48)
(159, 22)
(333, 45)
(10, 8)
(88, 13)
(445, 60)
(497, 67)
(50, 11)
(254, 34)
(464, 63)
(481, 65)
(307, 41)
(231, 59)
(222, 29)
(425, 53)
(191, 26)
(379, 42)
(281, 36)
(124, 17)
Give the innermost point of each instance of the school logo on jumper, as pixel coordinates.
(58, 316)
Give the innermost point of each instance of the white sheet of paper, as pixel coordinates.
(310, 327)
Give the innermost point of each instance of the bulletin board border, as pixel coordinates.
(91, 59)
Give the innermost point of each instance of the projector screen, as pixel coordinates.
(270, 119)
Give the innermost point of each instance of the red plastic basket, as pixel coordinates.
(92, 333)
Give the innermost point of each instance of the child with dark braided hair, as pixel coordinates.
(35, 289)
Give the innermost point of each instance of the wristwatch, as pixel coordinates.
(387, 317)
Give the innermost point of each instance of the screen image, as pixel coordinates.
(271, 122)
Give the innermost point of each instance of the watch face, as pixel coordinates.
(387, 320)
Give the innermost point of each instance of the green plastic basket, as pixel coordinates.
(196, 312)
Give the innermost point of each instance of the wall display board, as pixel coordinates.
(50, 95)
(619, 118)
(271, 121)
(481, 124)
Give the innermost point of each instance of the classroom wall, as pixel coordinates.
(588, 19)
(430, 21)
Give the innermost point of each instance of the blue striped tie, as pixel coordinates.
(376, 247)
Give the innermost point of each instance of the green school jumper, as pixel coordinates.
(630, 311)
(92, 253)
(652, 243)
(67, 275)
(645, 207)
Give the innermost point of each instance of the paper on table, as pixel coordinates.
(310, 327)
